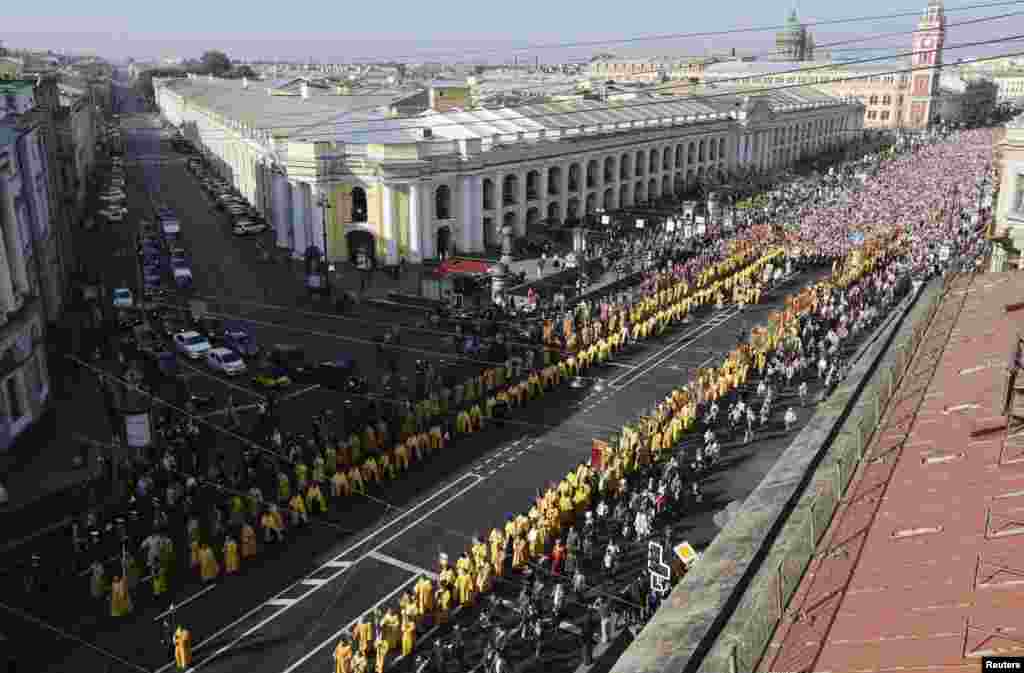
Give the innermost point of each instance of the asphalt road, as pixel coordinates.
(466, 491)
(344, 565)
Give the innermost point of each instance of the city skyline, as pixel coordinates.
(247, 39)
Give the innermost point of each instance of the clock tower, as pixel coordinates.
(926, 62)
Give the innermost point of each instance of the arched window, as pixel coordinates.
(886, 100)
(359, 204)
(443, 203)
(873, 100)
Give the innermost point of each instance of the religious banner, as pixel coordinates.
(598, 450)
(686, 553)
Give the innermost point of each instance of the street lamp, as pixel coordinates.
(327, 266)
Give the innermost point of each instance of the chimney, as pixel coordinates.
(245, 82)
(304, 90)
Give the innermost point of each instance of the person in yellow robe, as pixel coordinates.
(381, 647)
(391, 627)
(360, 664)
(182, 648)
(315, 501)
(231, 559)
(442, 603)
(209, 568)
(464, 587)
(343, 656)
(120, 599)
(408, 637)
(518, 553)
(363, 636)
(424, 596)
(248, 541)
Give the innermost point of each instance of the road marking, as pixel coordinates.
(391, 560)
(222, 412)
(314, 583)
(297, 393)
(348, 627)
(672, 344)
(335, 562)
(225, 382)
(185, 602)
(620, 364)
(706, 329)
(282, 602)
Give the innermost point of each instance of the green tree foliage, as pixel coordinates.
(215, 63)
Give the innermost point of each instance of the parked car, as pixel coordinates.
(271, 380)
(245, 226)
(123, 298)
(226, 361)
(238, 340)
(192, 345)
(170, 227)
(183, 278)
(114, 213)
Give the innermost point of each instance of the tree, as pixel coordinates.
(144, 82)
(215, 62)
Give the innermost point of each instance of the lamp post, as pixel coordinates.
(327, 266)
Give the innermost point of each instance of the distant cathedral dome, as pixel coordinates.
(791, 43)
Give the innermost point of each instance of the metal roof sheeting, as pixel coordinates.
(362, 119)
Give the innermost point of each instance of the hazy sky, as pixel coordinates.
(453, 29)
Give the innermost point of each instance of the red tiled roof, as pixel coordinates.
(915, 573)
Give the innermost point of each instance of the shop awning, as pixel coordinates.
(466, 266)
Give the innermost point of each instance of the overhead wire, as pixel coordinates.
(393, 124)
(828, 45)
(626, 105)
(738, 30)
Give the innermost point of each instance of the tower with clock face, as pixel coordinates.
(927, 65)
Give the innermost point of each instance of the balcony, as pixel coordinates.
(531, 194)
(509, 199)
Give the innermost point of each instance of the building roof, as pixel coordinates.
(921, 567)
(763, 68)
(284, 115)
(362, 119)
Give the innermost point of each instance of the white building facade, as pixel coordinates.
(407, 188)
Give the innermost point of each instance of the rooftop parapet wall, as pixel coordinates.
(720, 618)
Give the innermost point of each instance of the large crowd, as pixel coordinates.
(913, 218)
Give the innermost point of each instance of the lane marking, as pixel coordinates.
(282, 602)
(348, 627)
(185, 602)
(660, 351)
(398, 563)
(619, 364)
(633, 377)
(335, 562)
(225, 382)
(297, 393)
(314, 583)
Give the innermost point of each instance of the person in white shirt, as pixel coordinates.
(789, 419)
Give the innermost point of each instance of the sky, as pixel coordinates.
(462, 30)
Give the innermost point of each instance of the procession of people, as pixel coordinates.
(191, 512)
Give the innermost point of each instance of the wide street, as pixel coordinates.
(294, 600)
(284, 612)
